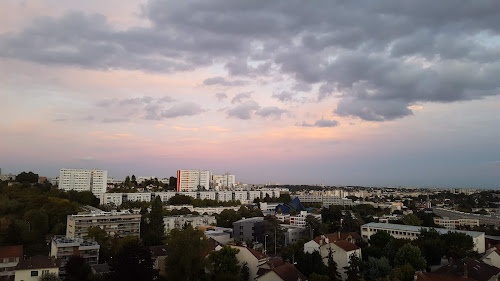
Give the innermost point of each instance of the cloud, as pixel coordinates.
(322, 123)
(271, 111)
(223, 82)
(284, 96)
(182, 109)
(114, 120)
(238, 98)
(243, 110)
(447, 55)
(221, 96)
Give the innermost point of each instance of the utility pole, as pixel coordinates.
(275, 242)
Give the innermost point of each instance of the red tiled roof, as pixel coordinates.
(476, 269)
(288, 272)
(257, 254)
(336, 236)
(346, 245)
(427, 276)
(37, 262)
(11, 251)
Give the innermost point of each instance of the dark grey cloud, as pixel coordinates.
(322, 123)
(221, 96)
(380, 57)
(182, 109)
(271, 111)
(243, 110)
(223, 82)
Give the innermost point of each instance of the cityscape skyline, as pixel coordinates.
(285, 91)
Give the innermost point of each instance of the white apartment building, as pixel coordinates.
(224, 196)
(64, 248)
(115, 223)
(192, 180)
(84, 180)
(300, 219)
(209, 195)
(454, 223)
(326, 200)
(221, 182)
(411, 232)
(178, 222)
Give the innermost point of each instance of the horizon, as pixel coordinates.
(385, 94)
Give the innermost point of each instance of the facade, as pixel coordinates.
(251, 229)
(192, 180)
(222, 182)
(411, 232)
(492, 257)
(84, 180)
(10, 256)
(253, 258)
(325, 200)
(454, 223)
(178, 222)
(284, 272)
(115, 223)
(483, 219)
(32, 268)
(294, 233)
(64, 248)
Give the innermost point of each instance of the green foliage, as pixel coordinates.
(227, 217)
(29, 177)
(432, 246)
(245, 272)
(275, 233)
(411, 219)
(458, 245)
(380, 239)
(180, 199)
(152, 225)
(223, 264)
(132, 261)
(403, 273)
(49, 277)
(318, 277)
(333, 271)
(104, 240)
(353, 271)
(411, 255)
(77, 269)
(185, 260)
(331, 214)
(309, 263)
(376, 268)
(172, 183)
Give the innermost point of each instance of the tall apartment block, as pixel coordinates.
(221, 182)
(95, 181)
(114, 223)
(192, 180)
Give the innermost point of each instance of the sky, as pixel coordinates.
(373, 93)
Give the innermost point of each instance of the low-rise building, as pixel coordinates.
(10, 256)
(251, 229)
(492, 257)
(180, 221)
(32, 268)
(254, 259)
(472, 268)
(114, 223)
(64, 248)
(455, 223)
(411, 232)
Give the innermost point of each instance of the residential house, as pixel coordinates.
(284, 272)
(9, 258)
(470, 268)
(428, 276)
(32, 268)
(253, 258)
(315, 244)
(492, 257)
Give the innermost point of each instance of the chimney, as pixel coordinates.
(327, 240)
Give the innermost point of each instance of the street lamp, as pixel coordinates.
(265, 244)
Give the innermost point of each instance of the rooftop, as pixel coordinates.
(38, 262)
(476, 270)
(346, 245)
(11, 251)
(255, 219)
(413, 228)
(61, 240)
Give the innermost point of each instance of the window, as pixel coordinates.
(34, 273)
(45, 271)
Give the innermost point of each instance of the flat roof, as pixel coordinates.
(403, 227)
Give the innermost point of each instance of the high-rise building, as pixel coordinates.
(192, 180)
(95, 181)
(114, 223)
(221, 182)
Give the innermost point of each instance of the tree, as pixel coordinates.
(155, 224)
(314, 224)
(318, 277)
(227, 217)
(458, 245)
(353, 271)
(380, 239)
(49, 277)
(77, 269)
(411, 219)
(376, 268)
(224, 265)
(132, 261)
(172, 183)
(102, 238)
(29, 177)
(134, 181)
(179, 199)
(333, 272)
(411, 255)
(127, 181)
(185, 260)
(432, 246)
(275, 235)
(403, 273)
(245, 272)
